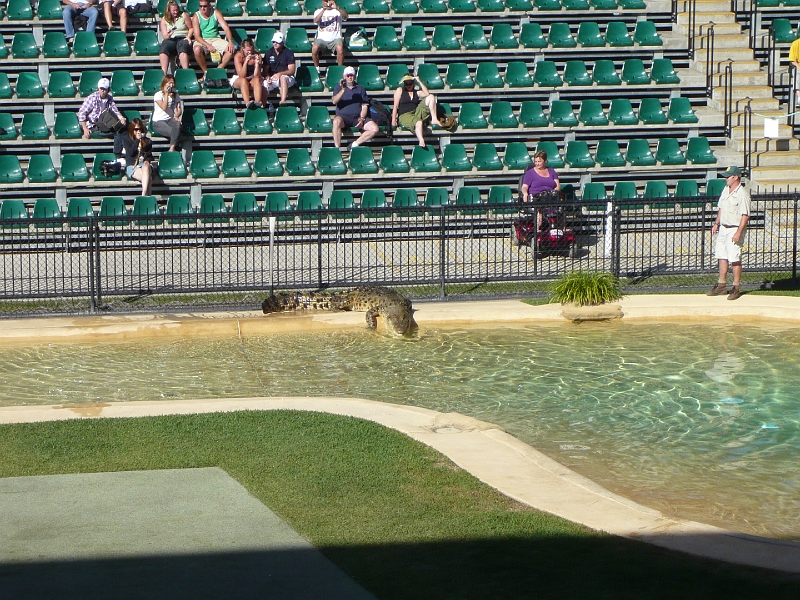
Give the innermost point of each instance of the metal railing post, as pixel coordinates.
(727, 95)
(319, 248)
(692, 10)
(748, 138)
(90, 257)
(97, 272)
(794, 243)
(442, 255)
(709, 46)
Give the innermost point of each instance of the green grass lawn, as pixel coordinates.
(397, 516)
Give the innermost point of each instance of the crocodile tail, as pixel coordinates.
(280, 303)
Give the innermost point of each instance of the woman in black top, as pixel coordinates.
(137, 150)
(414, 108)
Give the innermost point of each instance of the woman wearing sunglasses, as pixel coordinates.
(137, 153)
(414, 108)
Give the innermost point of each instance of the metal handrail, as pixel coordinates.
(748, 138)
(691, 8)
(727, 97)
(771, 62)
(709, 45)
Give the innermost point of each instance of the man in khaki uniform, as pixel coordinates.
(733, 212)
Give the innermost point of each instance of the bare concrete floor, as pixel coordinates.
(483, 449)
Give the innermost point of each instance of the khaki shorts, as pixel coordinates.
(329, 46)
(270, 85)
(219, 44)
(726, 248)
(410, 119)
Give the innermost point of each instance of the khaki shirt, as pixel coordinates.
(732, 205)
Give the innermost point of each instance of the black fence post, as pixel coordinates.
(442, 255)
(97, 272)
(794, 243)
(319, 248)
(617, 241)
(91, 259)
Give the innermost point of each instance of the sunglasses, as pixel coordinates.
(350, 75)
(139, 130)
(409, 83)
(204, 5)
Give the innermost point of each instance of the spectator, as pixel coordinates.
(73, 8)
(176, 33)
(733, 212)
(329, 19)
(137, 154)
(540, 183)
(352, 110)
(167, 111)
(93, 106)
(794, 62)
(206, 23)
(121, 7)
(279, 67)
(248, 74)
(409, 108)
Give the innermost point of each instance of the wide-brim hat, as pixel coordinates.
(407, 77)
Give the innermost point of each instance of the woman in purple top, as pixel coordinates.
(540, 178)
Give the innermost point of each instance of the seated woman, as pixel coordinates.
(247, 63)
(410, 109)
(137, 152)
(176, 32)
(538, 180)
(167, 110)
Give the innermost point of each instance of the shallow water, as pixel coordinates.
(696, 420)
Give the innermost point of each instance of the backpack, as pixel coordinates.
(79, 22)
(381, 115)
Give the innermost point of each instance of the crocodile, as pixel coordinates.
(395, 309)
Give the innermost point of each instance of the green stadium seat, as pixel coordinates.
(123, 84)
(485, 157)
(639, 153)
(632, 4)
(603, 4)
(656, 189)
(297, 39)
(41, 169)
(516, 156)
(471, 116)
(329, 161)
(669, 152)
(10, 169)
(575, 73)
(225, 122)
(617, 35)
(461, 6)
(782, 31)
(470, 196)
(415, 39)
(608, 153)
(687, 188)
(213, 204)
(277, 204)
(646, 34)
(5, 86)
(245, 203)
(372, 198)
(662, 72)
(386, 39)
(256, 122)
(60, 85)
(437, 196)
(444, 38)
(531, 114)
(186, 83)
(113, 206)
(554, 159)
(194, 121)
(714, 187)
(605, 73)
(393, 160)
(651, 112)
(146, 206)
(405, 7)
(234, 163)
(258, 8)
(34, 127)
(458, 76)
(55, 45)
(589, 35)
(145, 43)
(594, 191)
(229, 8)
(491, 5)
(487, 75)
(547, 5)
(318, 119)
(531, 36)
(73, 168)
(79, 207)
(362, 161)
(429, 75)
(19, 10)
(546, 74)
(287, 120)
(23, 45)
(433, 6)
(560, 36)
(680, 111)
(308, 79)
(334, 75)
(501, 115)
(170, 165)
(7, 124)
(626, 190)
(204, 165)
(473, 37)
(424, 160)
(179, 205)
(298, 163)
(131, 113)
(342, 200)
(455, 158)
(575, 4)
(500, 195)
(519, 5)
(151, 81)
(633, 72)
(370, 77)
(263, 40)
(115, 44)
(698, 152)
(517, 74)
(49, 10)
(502, 37)
(376, 7)
(405, 197)
(309, 201)
(14, 213)
(66, 126)
(288, 8)
(577, 155)
(561, 114)
(85, 45)
(29, 85)
(621, 112)
(267, 164)
(592, 114)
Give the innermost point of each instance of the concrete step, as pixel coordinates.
(744, 80)
(706, 6)
(756, 105)
(742, 92)
(775, 159)
(758, 118)
(701, 29)
(716, 17)
(762, 144)
(740, 66)
(773, 187)
(723, 54)
(723, 42)
(769, 179)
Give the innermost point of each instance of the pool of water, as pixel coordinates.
(696, 420)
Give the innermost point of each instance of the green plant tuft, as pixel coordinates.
(586, 289)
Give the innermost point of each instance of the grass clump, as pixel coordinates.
(586, 288)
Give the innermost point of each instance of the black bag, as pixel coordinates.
(79, 22)
(381, 115)
(108, 122)
(142, 7)
(110, 168)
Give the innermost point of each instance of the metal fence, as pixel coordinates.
(95, 259)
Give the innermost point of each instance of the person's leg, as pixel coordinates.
(91, 15)
(200, 57)
(123, 18)
(243, 86)
(340, 53)
(257, 85)
(338, 125)
(143, 174)
(67, 13)
(108, 14)
(370, 130)
(226, 58)
(736, 268)
(430, 102)
(284, 84)
(418, 128)
(315, 54)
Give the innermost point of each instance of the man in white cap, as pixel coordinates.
(94, 105)
(352, 110)
(328, 20)
(733, 212)
(279, 67)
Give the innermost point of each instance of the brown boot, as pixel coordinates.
(717, 290)
(735, 293)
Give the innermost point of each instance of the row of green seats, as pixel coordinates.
(686, 193)
(115, 44)
(22, 10)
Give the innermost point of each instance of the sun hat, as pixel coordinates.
(731, 171)
(103, 83)
(277, 37)
(349, 71)
(407, 77)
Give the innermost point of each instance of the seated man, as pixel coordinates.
(71, 9)
(206, 23)
(93, 107)
(410, 109)
(352, 110)
(329, 31)
(279, 67)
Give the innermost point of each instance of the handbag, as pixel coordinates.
(107, 122)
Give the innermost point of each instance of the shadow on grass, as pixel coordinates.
(600, 568)
(781, 285)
